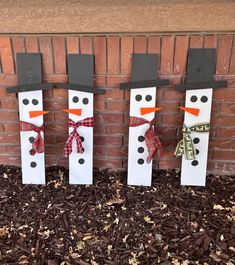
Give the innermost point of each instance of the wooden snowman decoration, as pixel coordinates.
(143, 140)
(79, 146)
(199, 88)
(31, 116)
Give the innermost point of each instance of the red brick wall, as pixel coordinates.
(112, 66)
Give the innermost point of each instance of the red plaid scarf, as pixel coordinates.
(38, 143)
(88, 122)
(151, 138)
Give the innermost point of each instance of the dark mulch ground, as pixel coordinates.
(111, 223)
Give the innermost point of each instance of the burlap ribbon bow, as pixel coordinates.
(151, 138)
(88, 122)
(186, 145)
(38, 143)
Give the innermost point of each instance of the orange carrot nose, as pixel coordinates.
(36, 113)
(192, 111)
(144, 111)
(77, 112)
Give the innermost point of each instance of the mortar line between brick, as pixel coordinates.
(230, 57)
(13, 55)
(52, 55)
(79, 44)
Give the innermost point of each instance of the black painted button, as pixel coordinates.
(141, 138)
(148, 98)
(25, 101)
(31, 152)
(140, 150)
(140, 161)
(194, 163)
(197, 152)
(138, 97)
(82, 138)
(35, 102)
(196, 140)
(31, 139)
(204, 99)
(193, 98)
(81, 161)
(85, 101)
(33, 164)
(83, 149)
(75, 99)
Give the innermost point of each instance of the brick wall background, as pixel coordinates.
(112, 66)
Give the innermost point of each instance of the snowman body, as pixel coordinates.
(193, 172)
(81, 165)
(139, 171)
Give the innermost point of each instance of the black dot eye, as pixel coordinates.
(141, 138)
(85, 101)
(81, 161)
(140, 150)
(82, 138)
(140, 161)
(197, 152)
(138, 97)
(33, 164)
(75, 99)
(31, 152)
(25, 101)
(204, 99)
(35, 102)
(194, 163)
(148, 98)
(196, 140)
(31, 139)
(193, 98)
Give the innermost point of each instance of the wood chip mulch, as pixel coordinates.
(112, 223)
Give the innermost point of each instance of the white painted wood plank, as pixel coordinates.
(196, 175)
(81, 173)
(139, 174)
(31, 175)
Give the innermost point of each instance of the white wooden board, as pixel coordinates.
(139, 172)
(81, 165)
(33, 166)
(190, 174)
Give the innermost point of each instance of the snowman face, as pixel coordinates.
(142, 98)
(82, 101)
(31, 101)
(202, 100)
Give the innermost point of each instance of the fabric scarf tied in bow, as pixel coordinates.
(151, 138)
(186, 146)
(38, 143)
(88, 122)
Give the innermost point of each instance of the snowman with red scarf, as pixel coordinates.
(144, 142)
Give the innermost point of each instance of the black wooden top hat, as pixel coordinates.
(81, 74)
(29, 73)
(200, 70)
(144, 72)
